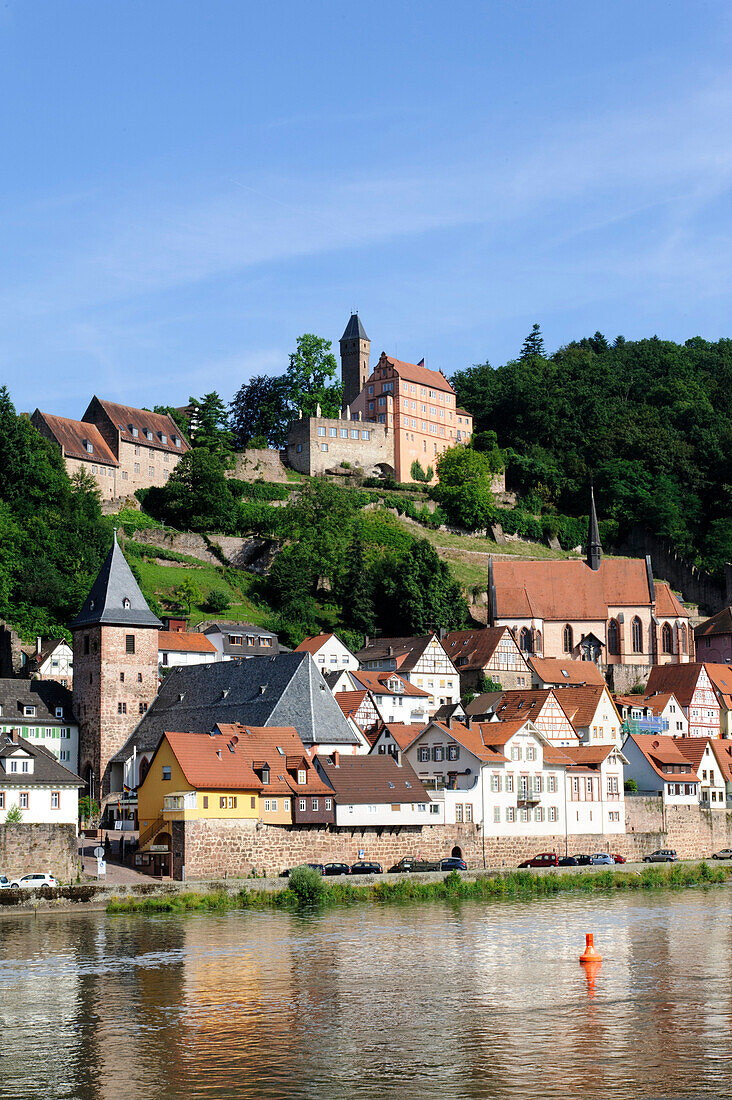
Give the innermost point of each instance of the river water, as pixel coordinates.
(435, 1000)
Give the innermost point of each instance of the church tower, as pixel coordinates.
(115, 644)
(355, 351)
(594, 547)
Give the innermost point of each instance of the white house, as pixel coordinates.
(378, 791)
(592, 712)
(395, 738)
(712, 782)
(659, 767)
(181, 647)
(328, 652)
(40, 710)
(595, 787)
(422, 661)
(395, 699)
(660, 712)
(51, 659)
(31, 779)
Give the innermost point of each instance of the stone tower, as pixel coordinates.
(594, 547)
(115, 644)
(355, 351)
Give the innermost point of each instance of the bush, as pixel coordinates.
(258, 490)
(631, 787)
(307, 885)
(417, 471)
(218, 599)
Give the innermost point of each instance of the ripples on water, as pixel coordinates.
(464, 1001)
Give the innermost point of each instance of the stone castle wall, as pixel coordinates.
(38, 848)
(213, 848)
(252, 553)
(369, 454)
(256, 464)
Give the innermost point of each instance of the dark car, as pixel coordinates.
(661, 855)
(452, 863)
(364, 867)
(408, 864)
(568, 861)
(337, 869)
(544, 859)
(583, 860)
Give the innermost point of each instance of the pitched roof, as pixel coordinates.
(473, 649)
(46, 768)
(590, 755)
(415, 372)
(721, 623)
(405, 651)
(568, 589)
(655, 703)
(125, 417)
(580, 704)
(350, 701)
(477, 740)
(115, 597)
(484, 703)
(72, 435)
(667, 603)
(281, 748)
(378, 682)
(180, 641)
(693, 748)
(679, 679)
(283, 689)
(44, 695)
(363, 780)
(403, 732)
(313, 644)
(560, 673)
(659, 749)
(721, 677)
(722, 750)
(354, 330)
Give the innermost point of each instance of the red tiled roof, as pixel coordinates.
(282, 749)
(667, 603)
(721, 623)
(655, 703)
(124, 416)
(377, 682)
(473, 649)
(679, 679)
(562, 590)
(414, 372)
(404, 733)
(313, 644)
(660, 749)
(552, 671)
(580, 704)
(721, 677)
(589, 755)
(404, 651)
(693, 748)
(178, 641)
(70, 434)
(377, 779)
(350, 701)
(722, 750)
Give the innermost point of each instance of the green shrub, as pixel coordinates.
(307, 885)
(631, 787)
(258, 490)
(218, 599)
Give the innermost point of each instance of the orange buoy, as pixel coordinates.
(589, 955)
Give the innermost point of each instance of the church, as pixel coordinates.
(606, 610)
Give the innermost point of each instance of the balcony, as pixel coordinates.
(175, 803)
(645, 725)
(528, 795)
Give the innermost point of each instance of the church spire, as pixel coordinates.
(594, 546)
(115, 597)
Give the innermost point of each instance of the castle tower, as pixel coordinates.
(594, 546)
(355, 351)
(115, 644)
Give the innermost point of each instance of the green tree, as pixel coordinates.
(14, 816)
(209, 425)
(196, 496)
(312, 378)
(179, 419)
(260, 410)
(187, 594)
(417, 471)
(418, 593)
(357, 590)
(533, 345)
(464, 490)
(321, 521)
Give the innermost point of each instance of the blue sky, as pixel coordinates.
(186, 187)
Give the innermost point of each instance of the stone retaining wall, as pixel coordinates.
(50, 849)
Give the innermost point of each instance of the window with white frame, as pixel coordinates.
(302, 805)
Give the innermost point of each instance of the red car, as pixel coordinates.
(619, 859)
(544, 859)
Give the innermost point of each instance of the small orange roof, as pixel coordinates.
(473, 649)
(580, 704)
(72, 434)
(722, 750)
(314, 643)
(721, 677)
(721, 623)
(693, 748)
(667, 603)
(404, 733)
(558, 673)
(350, 701)
(378, 682)
(181, 641)
(415, 372)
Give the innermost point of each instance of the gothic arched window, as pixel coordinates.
(613, 638)
(525, 643)
(667, 639)
(568, 639)
(683, 638)
(636, 631)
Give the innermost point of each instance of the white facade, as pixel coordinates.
(39, 803)
(433, 671)
(674, 788)
(61, 739)
(333, 655)
(416, 813)
(59, 665)
(596, 796)
(168, 657)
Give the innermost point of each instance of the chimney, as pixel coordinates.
(366, 641)
(14, 736)
(449, 722)
(336, 758)
(389, 650)
(442, 632)
(469, 721)
(39, 645)
(398, 758)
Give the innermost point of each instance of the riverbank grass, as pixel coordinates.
(519, 885)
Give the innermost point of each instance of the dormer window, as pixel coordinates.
(163, 437)
(176, 440)
(148, 434)
(133, 430)
(301, 776)
(126, 603)
(88, 447)
(59, 712)
(29, 711)
(265, 777)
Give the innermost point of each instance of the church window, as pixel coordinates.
(637, 635)
(682, 633)
(667, 639)
(568, 639)
(86, 640)
(613, 638)
(525, 642)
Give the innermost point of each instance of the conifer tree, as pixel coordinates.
(533, 345)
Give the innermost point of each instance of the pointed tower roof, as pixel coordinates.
(594, 546)
(115, 597)
(354, 329)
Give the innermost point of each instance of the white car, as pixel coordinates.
(33, 882)
(4, 882)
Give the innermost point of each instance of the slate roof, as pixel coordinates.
(286, 689)
(363, 780)
(225, 628)
(114, 586)
(46, 770)
(559, 673)
(721, 623)
(354, 330)
(70, 434)
(44, 695)
(483, 704)
(448, 710)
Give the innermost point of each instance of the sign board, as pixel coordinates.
(158, 848)
(101, 868)
(361, 853)
(99, 852)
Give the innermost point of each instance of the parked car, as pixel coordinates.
(33, 882)
(336, 869)
(315, 866)
(568, 861)
(661, 855)
(408, 864)
(603, 858)
(583, 860)
(618, 858)
(453, 863)
(4, 882)
(544, 859)
(364, 867)
(723, 853)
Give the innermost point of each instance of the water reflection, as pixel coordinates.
(460, 1001)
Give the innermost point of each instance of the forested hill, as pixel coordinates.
(650, 421)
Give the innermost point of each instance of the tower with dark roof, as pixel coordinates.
(594, 546)
(115, 644)
(355, 352)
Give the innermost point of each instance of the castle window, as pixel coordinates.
(354, 433)
(332, 432)
(667, 639)
(525, 643)
(86, 636)
(133, 430)
(321, 431)
(568, 639)
(637, 635)
(613, 638)
(121, 708)
(129, 643)
(344, 433)
(299, 448)
(324, 446)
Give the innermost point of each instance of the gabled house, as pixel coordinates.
(695, 692)
(328, 652)
(395, 737)
(595, 789)
(490, 652)
(41, 712)
(660, 712)
(34, 782)
(721, 678)
(234, 641)
(377, 791)
(83, 447)
(698, 751)
(714, 638)
(422, 661)
(394, 698)
(592, 712)
(722, 750)
(179, 647)
(147, 445)
(49, 659)
(659, 767)
(358, 706)
(544, 708)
